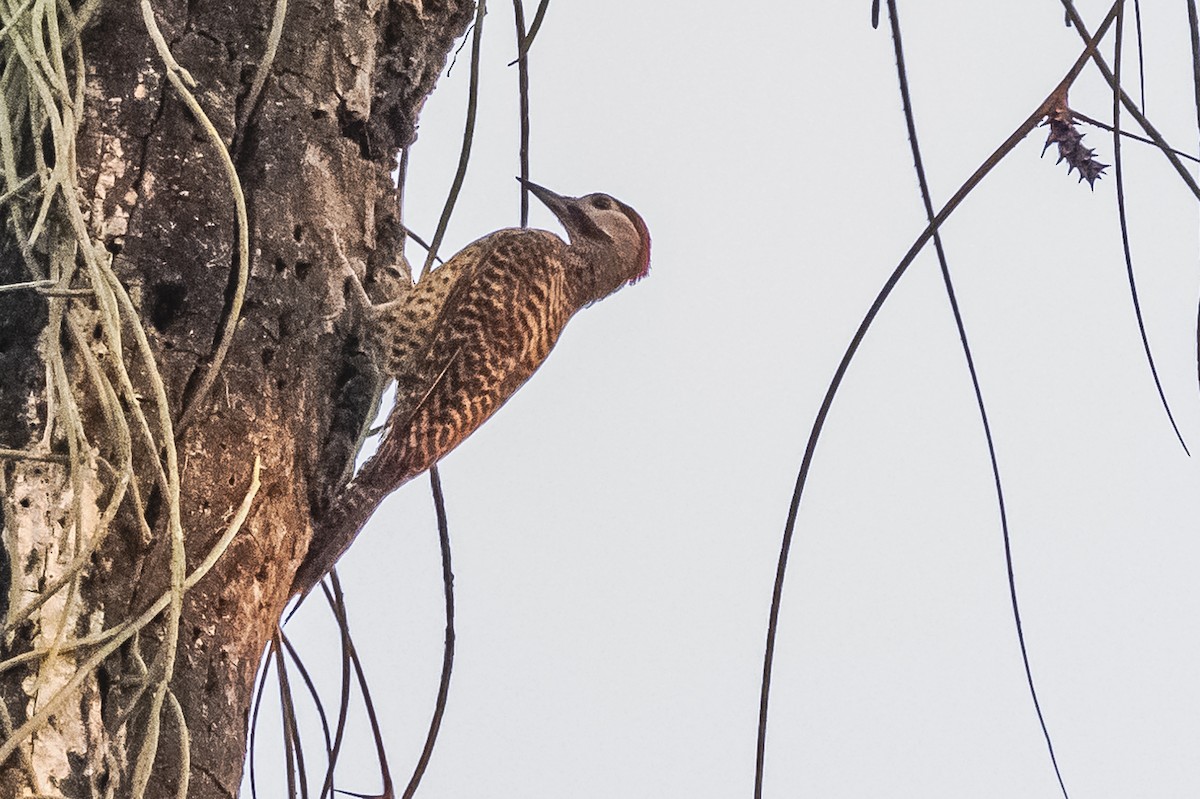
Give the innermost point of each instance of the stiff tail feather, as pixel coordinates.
(336, 525)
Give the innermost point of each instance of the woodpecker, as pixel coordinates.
(468, 335)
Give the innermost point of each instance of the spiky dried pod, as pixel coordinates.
(1070, 144)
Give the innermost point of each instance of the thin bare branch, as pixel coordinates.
(439, 504)
(464, 157)
(523, 108)
(856, 340)
(1167, 150)
(951, 295)
(1119, 171)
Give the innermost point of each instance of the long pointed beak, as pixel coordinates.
(555, 202)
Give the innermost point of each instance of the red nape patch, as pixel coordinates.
(644, 234)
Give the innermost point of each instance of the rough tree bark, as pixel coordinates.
(314, 152)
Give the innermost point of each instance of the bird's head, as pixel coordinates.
(610, 238)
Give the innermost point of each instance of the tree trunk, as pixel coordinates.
(95, 470)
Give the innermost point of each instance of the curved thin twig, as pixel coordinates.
(373, 720)
(332, 587)
(116, 637)
(309, 686)
(951, 295)
(256, 705)
(1130, 106)
(263, 70)
(293, 747)
(439, 709)
(1137, 18)
(1119, 172)
(856, 340)
(1127, 135)
(526, 40)
(1194, 35)
(464, 156)
(181, 79)
(522, 63)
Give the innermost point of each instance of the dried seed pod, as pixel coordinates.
(1070, 144)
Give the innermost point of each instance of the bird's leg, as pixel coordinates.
(360, 293)
(395, 287)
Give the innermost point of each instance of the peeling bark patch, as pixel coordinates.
(44, 538)
(114, 223)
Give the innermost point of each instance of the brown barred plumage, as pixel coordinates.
(468, 335)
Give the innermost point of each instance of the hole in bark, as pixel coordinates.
(24, 503)
(320, 113)
(103, 683)
(268, 355)
(354, 129)
(166, 303)
(48, 146)
(232, 480)
(298, 232)
(153, 507)
(280, 383)
(280, 265)
(302, 269)
(114, 246)
(97, 332)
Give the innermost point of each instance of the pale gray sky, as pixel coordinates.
(616, 526)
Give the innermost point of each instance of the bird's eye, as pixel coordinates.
(601, 201)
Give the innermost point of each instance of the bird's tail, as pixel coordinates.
(337, 524)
